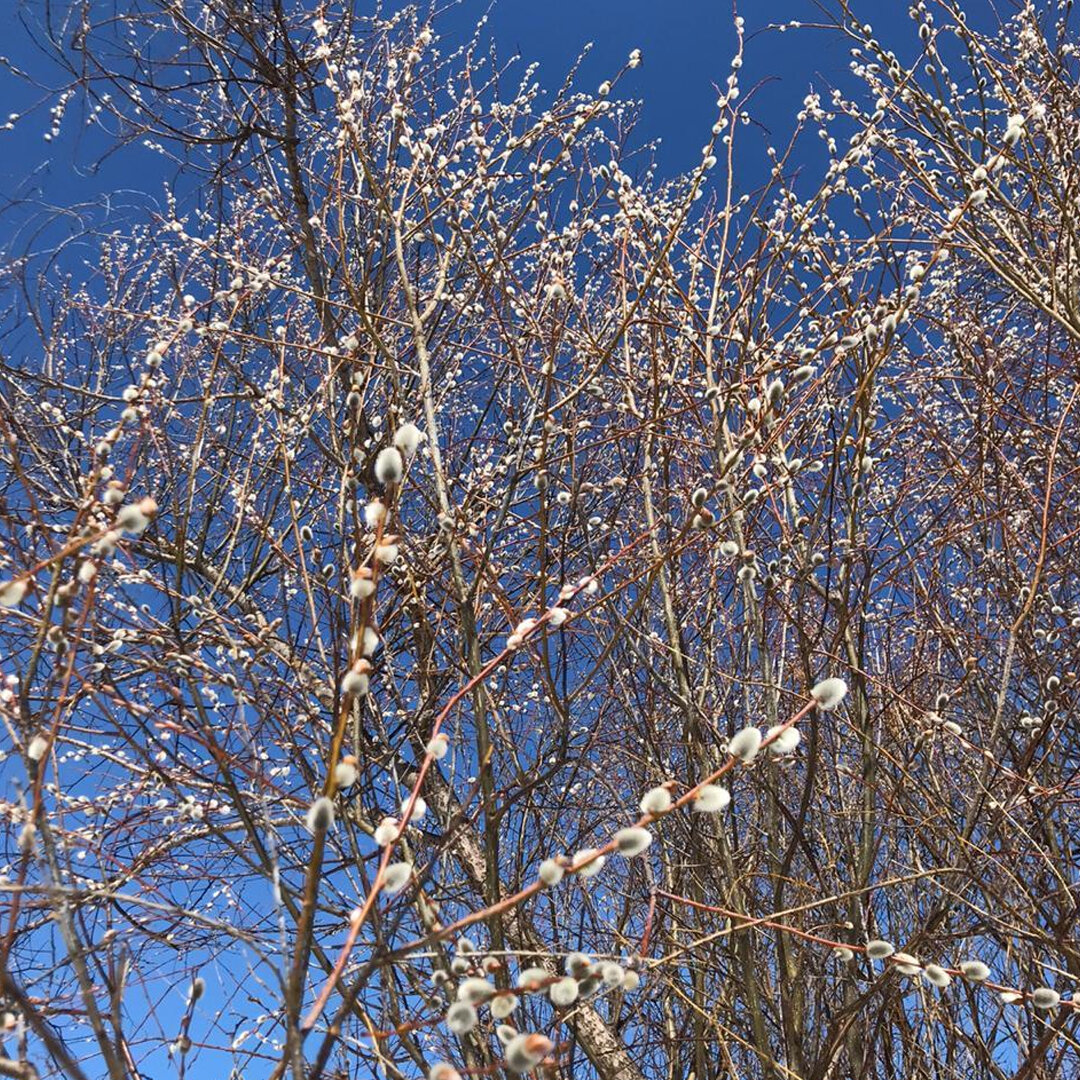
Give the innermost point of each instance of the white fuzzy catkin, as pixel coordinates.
(407, 438)
(533, 979)
(656, 800)
(711, 799)
(525, 1052)
(502, 1005)
(586, 868)
(829, 693)
(362, 586)
(346, 772)
(37, 748)
(577, 963)
(936, 976)
(461, 1018)
(1045, 999)
(396, 877)
(557, 616)
(387, 554)
(135, 517)
(551, 872)
(389, 465)
(438, 747)
(443, 1071)
(564, 992)
(745, 744)
(878, 949)
(785, 741)
(354, 684)
(12, 593)
(906, 964)
(387, 831)
(320, 816)
(975, 970)
(632, 841)
(374, 514)
(612, 973)
(475, 990)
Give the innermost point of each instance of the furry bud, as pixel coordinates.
(396, 877)
(656, 800)
(346, 772)
(389, 466)
(407, 438)
(711, 799)
(320, 816)
(525, 1052)
(632, 841)
(745, 744)
(551, 872)
(461, 1018)
(829, 693)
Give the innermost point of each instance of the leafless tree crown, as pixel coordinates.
(472, 607)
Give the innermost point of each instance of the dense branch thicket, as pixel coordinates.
(471, 606)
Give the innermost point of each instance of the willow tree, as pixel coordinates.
(471, 604)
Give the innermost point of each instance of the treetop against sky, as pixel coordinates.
(531, 558)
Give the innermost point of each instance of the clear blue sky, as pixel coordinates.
(687, 47)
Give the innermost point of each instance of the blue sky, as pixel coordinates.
(687, 46)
